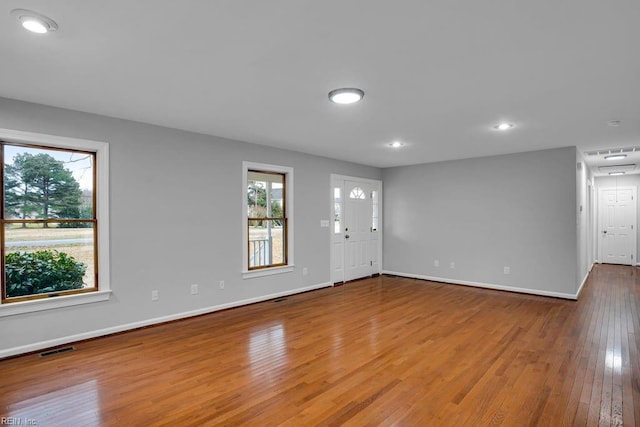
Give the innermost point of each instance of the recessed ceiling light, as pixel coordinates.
(616, 173)
(504, 126)
(615, 157)
(395, 144)
(614, 123)
(34, 22)
(346, 95)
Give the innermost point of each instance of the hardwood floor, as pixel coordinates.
(382, 351)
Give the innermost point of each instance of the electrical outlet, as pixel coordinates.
(452, 265)
(507, 270)
(221, 284)
(305, 271)
(155, 295)
(194, 289)
(436, 263)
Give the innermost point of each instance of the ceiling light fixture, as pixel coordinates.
(34, 22)
(614, 123)
(346, 95)
(504, 126)
(395, 144)
(616, 173)
(615, 157)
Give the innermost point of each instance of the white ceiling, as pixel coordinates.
(437, 74)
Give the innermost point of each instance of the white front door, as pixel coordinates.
(355, 233)
(617, 233)
(357, 230)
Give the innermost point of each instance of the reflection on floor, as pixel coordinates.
(385, 350)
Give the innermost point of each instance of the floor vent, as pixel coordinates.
(57, 351)
(279, 300)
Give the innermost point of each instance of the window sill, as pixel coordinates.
(11, 309)
(267, 271)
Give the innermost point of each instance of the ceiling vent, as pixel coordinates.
(617, 168)
(608, 151)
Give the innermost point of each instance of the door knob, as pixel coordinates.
(346, 236)
(605, 231)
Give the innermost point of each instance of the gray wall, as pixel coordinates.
(484, 214)
(175, 207)
(618, 181)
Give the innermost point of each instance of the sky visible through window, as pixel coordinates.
(78, 163)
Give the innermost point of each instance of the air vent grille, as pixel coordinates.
(617, 168)
(57, 351)
(608, 151)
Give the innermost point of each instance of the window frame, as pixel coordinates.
(289, 265)
(101, 229)
(282, 218)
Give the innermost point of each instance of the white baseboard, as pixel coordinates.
(584, 281)
(485, 285)
(637, 264)
(148, 322)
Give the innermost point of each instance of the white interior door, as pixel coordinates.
(617, 219)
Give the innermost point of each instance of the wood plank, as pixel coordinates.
(380, 351)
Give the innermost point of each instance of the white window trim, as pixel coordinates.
(31, 306)
(102, 214)
(288, 171)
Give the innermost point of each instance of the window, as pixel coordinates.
(52, 238)
(267, 219)
(357, 193)
(337, 210)
(268, 209)
(374, 215)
